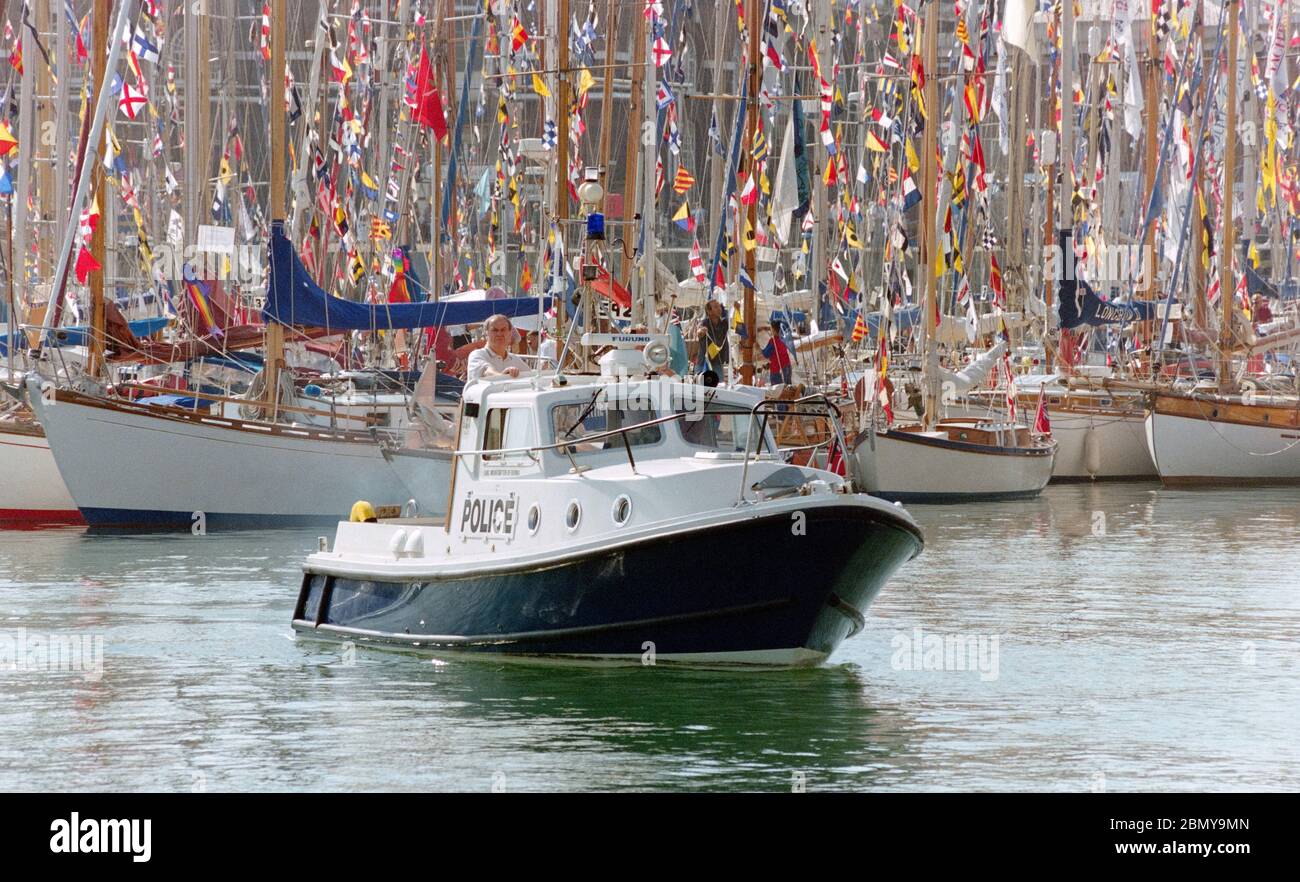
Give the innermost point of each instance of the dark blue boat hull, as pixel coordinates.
(141, 520)
(756, 585)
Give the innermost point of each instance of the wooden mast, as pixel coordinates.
(632, 166)
(12, 325)
(607, 90)
(929, 251)
(1200, 285)
(754, 25)
(100, 41)
(1226, 287)
(562, 168)
(275, 201)
(1150, 160)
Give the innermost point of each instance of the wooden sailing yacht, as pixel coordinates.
(130, 465)
(1231, 433)
(948, 460)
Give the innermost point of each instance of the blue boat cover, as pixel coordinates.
(75, 335)
(1080, 305)
(293, 298)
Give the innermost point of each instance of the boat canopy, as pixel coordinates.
(293, 298)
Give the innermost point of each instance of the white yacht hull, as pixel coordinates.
(31, 488)
(131, 466)
(1101, 447)
(917, 467)
(1192, 450)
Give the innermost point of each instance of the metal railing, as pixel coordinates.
(815, 405)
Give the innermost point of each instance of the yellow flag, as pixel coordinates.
(851, 236)
(539, 86)
(226, 172)
(913, 162)
(8, 143)
(1268, 162)
(585, 81)
(714, 349)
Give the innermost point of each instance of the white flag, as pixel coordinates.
(785, 198)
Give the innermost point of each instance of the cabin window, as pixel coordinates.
(577, 421)
(720, 427)
(494, 429)
(507, 429)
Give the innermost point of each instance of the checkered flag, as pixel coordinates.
(990, 240)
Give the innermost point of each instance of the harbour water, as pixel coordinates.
(1114, 637)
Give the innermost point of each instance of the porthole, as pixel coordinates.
(573, 516)
(622, 511)
(534, 519)
(1215, 412)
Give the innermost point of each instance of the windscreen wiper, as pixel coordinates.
(591, 405)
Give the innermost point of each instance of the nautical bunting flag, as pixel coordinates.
(683, 180)
(8, 143)
(131, 101)
(860, 329)
(697, 262)
(995, 281)
(86, 264)
(683, 217)
(773, 55)
(518, 36)
(911, 195)
(664, 95)
(142, 48)
(662, 52)
(264, 38)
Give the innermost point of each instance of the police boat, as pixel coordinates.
(620, 516)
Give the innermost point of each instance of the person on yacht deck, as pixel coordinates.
(495, 360)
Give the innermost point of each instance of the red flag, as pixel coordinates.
(428, 101)
(397, 292)
(995, 281)
(86, 264)
(835, 458)
(1042, 425)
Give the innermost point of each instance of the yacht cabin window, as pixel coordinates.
(721, 427)
(508, 428)
(575, 421)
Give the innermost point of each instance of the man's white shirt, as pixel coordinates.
(483, 358)
(547, 352)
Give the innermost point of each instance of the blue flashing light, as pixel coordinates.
(596, 226)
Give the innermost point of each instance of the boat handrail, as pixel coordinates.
(567, 445)
(775, 406)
